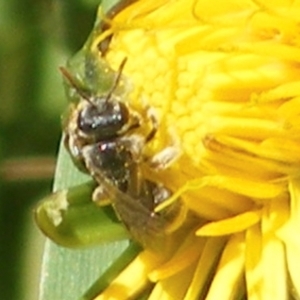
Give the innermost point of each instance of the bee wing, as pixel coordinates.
(142, 222)
(136, 213)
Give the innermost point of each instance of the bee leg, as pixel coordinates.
(164, 158)
(160, 193)
(167, 156)
(100, 197)
(135, 121)
(134, 142)
(153, 118)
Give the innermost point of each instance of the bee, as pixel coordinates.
(103, 137)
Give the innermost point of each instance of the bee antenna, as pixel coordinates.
(74, 84)
(117, 79)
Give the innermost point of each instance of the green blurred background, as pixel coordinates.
(36, 37)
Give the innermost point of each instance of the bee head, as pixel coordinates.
(102, 117)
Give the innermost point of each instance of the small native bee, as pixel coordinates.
(102, 136)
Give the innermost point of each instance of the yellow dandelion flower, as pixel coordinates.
(224, 79)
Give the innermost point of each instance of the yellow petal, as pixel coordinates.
(273, 261)
(266, 47)
(128, 284)
(227, 160)
(216, 204)
(265, 266)
(274, 279)
(227, 282)
(253, 268)
(284, 91)
(232, 225)
(292, 249)
(205, 268)
(289, 233)
(279, 148)
(173, 287)
(261, 190)
(186, 255)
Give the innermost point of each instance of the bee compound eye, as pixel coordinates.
(89, 119)
(103, 120)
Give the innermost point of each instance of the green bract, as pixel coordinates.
(92, 74)
(71, 219)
